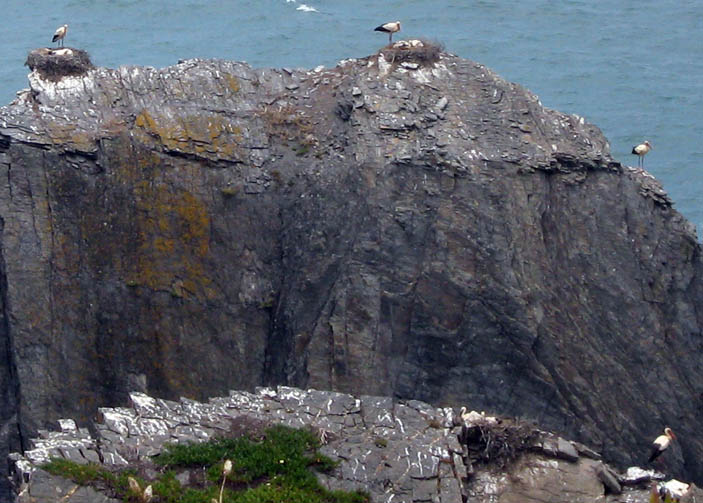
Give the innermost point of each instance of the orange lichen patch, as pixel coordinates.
(171, 135)
(174, 241)
(112, 126)
(286, 119)
(290, 124)
(232, 82)
(211, 136)
(68, 137)
(144, 120)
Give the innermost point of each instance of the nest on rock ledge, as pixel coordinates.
(54, 64)
(421, 52)
(498, 443)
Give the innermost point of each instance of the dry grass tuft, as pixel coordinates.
(422, 52)
(54, 64)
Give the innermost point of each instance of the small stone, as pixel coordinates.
(609, 479)
(635, 476)
(91, 455)
(67, 425)
(565, 450)
(675, 488)
(585, 451)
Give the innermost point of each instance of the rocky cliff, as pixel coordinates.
(407, 224)
(394, 451)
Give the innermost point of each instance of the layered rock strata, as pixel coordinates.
(421, 230)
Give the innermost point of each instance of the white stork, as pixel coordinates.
(641, 150)
(389, 28)
(60, 33)
(661, 443)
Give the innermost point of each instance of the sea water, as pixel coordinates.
(635, 69)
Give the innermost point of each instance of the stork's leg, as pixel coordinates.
(390, 37)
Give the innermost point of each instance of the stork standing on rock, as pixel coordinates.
(465, 416)
(389, 28)
(60, 33)
(661, 443)
(641, 150)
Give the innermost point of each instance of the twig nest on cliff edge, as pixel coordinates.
(421, 52)
(54, 64)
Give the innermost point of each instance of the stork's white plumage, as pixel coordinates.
(641, 150)
(661, 443)
(60, 33)
(389, 28)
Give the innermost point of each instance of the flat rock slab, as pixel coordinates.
(46, 488)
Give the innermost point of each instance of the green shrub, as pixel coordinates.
(274, 468)
(80, 474)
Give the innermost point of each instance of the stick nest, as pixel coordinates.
(422, 52)
(54, 64)
(500, 443)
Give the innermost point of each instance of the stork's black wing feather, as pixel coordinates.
(656, 451)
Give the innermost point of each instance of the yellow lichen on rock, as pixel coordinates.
(232, 82)
(209, 136)
(174, 234)
(71, 138)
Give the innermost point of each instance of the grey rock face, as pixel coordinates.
(48, 488)
(396, 451)
(430, 233)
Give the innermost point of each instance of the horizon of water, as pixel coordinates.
(634, 69)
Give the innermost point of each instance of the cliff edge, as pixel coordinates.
(407, 224)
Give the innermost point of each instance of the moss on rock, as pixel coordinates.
(275, 467)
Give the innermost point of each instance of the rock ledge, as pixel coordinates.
(400, 451)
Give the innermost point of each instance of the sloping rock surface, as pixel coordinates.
(423, 231)
(396, 451)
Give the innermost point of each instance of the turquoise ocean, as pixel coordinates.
(635, 69)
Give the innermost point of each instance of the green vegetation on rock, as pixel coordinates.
(273, 468)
